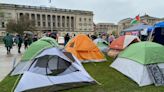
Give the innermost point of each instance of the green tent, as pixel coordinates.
(144, 53)
(102, 44)
(38, 46)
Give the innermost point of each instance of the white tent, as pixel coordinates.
(51, 70)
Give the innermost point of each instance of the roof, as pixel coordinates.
(42, 8)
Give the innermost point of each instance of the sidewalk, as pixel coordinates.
(6, 61)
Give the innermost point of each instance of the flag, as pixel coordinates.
(138, 18)
(134, 21)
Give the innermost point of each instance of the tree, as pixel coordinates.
(21, 25)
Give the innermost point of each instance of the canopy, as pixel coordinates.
(138, 27)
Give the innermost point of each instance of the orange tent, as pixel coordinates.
(84, 49)
(121, 43)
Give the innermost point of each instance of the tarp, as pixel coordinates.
(159, 24)
(138, 27)
(144, 53)
(84, 49)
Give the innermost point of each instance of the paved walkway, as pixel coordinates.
(6, 61)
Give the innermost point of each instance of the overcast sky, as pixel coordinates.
(104, 10)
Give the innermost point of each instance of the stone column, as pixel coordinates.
(41, 21)
(61, 26)
(56, 21)
(30, 16)
(36, 20)
(51, 20)
(70, 23)
(46, 20)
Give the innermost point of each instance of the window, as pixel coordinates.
(80, 19)
(49, 24)
(38, 23)
(49, 17)
(54, 24)
(85, 19)
(38, 16)
(44, 24)
(89, 20)
(3, 25)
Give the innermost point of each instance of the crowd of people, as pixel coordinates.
(27, 39)
(18, 40)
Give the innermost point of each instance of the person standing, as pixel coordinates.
(8, 41)
(111, 38)
(19, 42)
(26, 42)
(66, 39)
(35, 38)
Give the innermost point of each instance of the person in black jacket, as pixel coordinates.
(19, 41)
(66, 39)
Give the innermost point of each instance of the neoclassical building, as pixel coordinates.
(106, 27)
(49, 18)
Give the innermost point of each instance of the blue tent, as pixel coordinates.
(158, 33)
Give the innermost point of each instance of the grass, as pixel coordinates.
(110, 79)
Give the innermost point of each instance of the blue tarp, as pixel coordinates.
(138, 27)
(150, 29)
(159, 24)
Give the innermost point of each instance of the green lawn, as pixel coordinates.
(110, 79)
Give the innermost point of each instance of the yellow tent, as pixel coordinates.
(84, 49)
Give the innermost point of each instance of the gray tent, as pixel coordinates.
(50, 71)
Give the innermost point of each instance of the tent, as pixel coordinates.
(49, 71)
(36, 47)
(158, 33)
(102, 44)
(121, 43)
(133, 60)
(84, 49)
